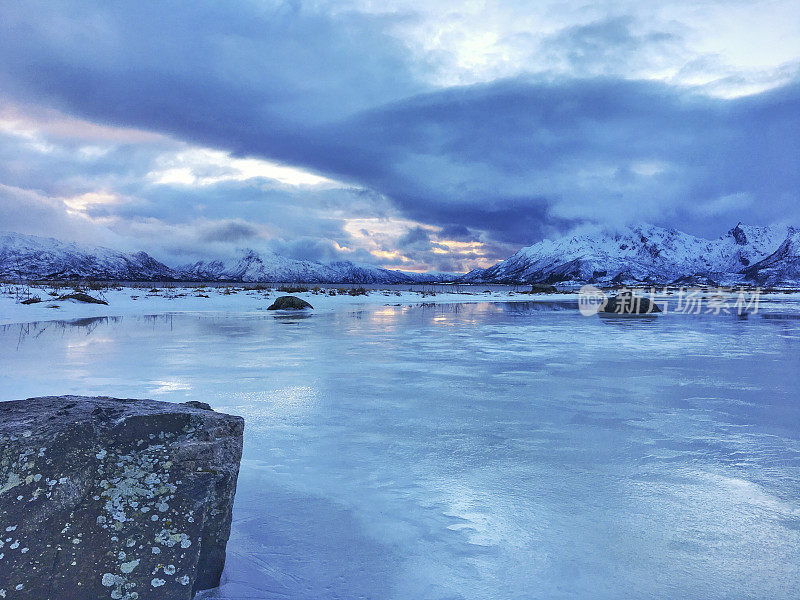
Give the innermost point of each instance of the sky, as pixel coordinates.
(414, 135)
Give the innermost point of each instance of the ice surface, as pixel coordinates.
(479, 451)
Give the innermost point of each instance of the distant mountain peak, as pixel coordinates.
(641, 253)
(739, 234)
(32, 257)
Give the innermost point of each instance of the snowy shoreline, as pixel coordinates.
(246, 298)
(129, 301)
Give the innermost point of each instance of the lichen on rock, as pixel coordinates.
(108, 498)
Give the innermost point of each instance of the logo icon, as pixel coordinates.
(590, 299)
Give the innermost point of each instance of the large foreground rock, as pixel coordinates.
(108, 498)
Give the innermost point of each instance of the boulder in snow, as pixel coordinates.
(289, 303)
(82, 297)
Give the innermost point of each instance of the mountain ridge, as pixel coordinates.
(642, 254)
(33, 257)
(249, 265)
(647, 254)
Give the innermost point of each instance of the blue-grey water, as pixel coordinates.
(484, 451)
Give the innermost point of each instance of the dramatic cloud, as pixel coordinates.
(416, 238)
(458, 233)
(517, 157)
(609, 47)
(229, 231)
(332, 130)
(36, 214)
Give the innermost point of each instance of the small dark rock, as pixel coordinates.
(542, 288)
(81, 297)
(289, 303)
(32, 300)
(626, 303)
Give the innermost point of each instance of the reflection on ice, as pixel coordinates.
(163, 387)
(628, 320)
(508, 450)
(292, 317)
(35, 329)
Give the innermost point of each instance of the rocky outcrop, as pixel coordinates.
(82, 297)
(289, 303)
(542, 288)
(110, 498)
(627, 303)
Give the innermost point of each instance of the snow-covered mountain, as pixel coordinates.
(767, 256)
(647, 254)
(250, 265)
(782, 267)
(32, 257)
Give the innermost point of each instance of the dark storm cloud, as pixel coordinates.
(415, 238)
(316, 249)
(459, 233)
(516, 159)
(228, 231)
(606, 46)
(182, 66)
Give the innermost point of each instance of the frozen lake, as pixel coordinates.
(476, 451)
